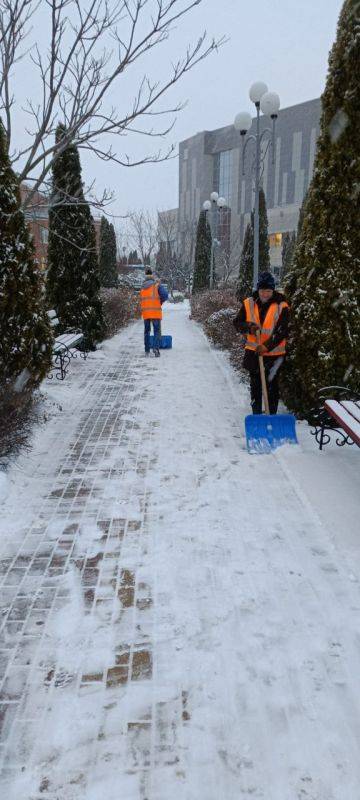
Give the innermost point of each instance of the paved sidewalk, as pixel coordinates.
(176, 621)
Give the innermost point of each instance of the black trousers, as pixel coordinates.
(272, 371)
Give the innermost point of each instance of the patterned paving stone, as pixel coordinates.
(69, 569)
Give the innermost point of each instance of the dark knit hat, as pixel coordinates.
(266, 281)
(148, 271)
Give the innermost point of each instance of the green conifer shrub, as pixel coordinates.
(107, 255)
(73, 283)
(245, 281)
(202, 254)
(324, 344)
(287, 253)
(25, 333)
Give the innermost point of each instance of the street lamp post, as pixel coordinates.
(269, 104)
(214, 205)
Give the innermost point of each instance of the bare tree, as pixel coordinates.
(142, 233)
(186, 249)
(77, 70)
(228, 260)
(167, 243)
(176, 250)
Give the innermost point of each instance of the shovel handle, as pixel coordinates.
(263, 378)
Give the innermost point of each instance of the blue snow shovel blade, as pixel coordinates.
(165, 342)
(266, 432)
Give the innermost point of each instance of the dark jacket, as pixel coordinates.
(281, 330)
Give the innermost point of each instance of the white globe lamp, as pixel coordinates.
(257, 90)
(207, 205)
(214, 197)
(243, 122)
(270, 104)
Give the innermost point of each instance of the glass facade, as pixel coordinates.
(223, 174)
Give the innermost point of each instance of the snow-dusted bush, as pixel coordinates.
(18, 412)
(220, 329)
(120, 306)
(206, 303)
(216, 310)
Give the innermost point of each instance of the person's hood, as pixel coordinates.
(149, 282)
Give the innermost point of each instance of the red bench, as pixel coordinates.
(347, 415)
(337, 412)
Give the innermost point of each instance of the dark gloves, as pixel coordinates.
(253, 327)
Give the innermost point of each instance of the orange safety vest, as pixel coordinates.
(272, 316)
(150, 302)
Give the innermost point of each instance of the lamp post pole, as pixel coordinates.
(269, 104)
(257, 191)
(215, 204)
(213, 227)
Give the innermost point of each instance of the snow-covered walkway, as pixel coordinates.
(180, 620)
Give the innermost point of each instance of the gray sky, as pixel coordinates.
(284, 42)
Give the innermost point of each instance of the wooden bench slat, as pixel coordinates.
(344, 418)
(353, 408)
(62, 344)
(67, 340)
(69, 337)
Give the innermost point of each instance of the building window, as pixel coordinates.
(44, 235)
(275, 239)
(222, 174)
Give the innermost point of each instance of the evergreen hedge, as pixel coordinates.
(324, 283)
(25, 333)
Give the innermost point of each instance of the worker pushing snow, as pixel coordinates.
(152, 296)
(267, 312)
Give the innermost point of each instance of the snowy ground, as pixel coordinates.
(180, 620)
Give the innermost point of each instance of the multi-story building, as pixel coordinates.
(211, 161)
(37, 217)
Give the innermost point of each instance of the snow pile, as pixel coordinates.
(4, 488)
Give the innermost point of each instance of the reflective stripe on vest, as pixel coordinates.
(150, 302)
(271, 318)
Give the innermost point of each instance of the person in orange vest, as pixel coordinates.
(152, 296)
(268, 312)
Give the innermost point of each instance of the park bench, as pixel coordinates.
(65, 346)
(338, 412)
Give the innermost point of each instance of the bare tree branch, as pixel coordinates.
(142, 233)
(14, 17)
(91, 46)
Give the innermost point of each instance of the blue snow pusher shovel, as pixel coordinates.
(165, 342)
(266, 432)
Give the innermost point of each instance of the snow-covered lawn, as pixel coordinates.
(179, 619)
